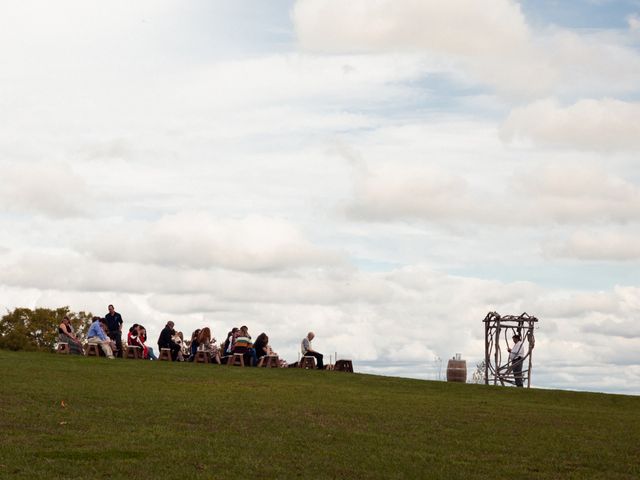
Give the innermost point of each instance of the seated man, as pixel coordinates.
(96, 335)
(166, 341)
(308, 351)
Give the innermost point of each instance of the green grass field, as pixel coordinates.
(136, 419)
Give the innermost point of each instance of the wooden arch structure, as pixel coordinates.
(499, 369)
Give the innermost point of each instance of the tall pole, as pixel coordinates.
(497, 354)
(486, 353)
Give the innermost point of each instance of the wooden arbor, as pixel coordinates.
(497, 367)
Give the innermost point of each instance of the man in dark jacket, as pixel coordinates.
(165, 340)
(114, 325)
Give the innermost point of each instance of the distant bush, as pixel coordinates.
(26, 329)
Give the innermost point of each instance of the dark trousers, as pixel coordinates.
(318, 357)
(117, 337)
(517, 371)
(250, 357)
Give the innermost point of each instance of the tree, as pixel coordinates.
(26, 329)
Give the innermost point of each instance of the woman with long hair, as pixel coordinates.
(260, 345)
(207, 343)
(142, 341)
(193, 346)
(67, 335)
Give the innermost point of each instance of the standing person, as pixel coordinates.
(96, 335)
(308, 351)
(67, 335)
(165, 340)
(515, 357)
(114, 325)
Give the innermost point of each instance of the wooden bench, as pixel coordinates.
(235, 359)
(165, 354)
(201, 357)
(269, 361)
(63, 347)
(307, 362)
(343, 366)
(134, 352)
(93, 350)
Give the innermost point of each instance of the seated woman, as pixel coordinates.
(147, 352)
(261, 345)
(132, 335)
(178, 338)
(193, 347)
(244, 345)
(228, 343)
(206, 343)
(67, 335)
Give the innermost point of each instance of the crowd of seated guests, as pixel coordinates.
(237, 341)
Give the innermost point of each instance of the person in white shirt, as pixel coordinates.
(515, 358)
(308, 351)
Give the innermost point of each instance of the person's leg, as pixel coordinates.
(151, 354)
(174, 352)
(318, 357)
(517, 372)
(106, 348)
(117, 338)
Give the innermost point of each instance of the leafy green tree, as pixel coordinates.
(26, 329)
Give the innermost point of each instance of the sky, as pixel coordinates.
(383, 173)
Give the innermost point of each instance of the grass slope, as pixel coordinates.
(135, 419)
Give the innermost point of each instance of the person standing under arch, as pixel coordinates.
(516, 354)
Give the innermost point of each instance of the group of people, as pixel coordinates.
(107, 333)
(237, 341)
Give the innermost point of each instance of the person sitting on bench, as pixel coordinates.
(67, 335)
(308, 351)
(244, 345)
(97, 335)
(260, 345)
(166, 341)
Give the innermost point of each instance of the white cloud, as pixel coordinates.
(428, 193)
(597, 245)
(44, 188)
(545, 195)
(198, 240)
(603, 125)
(459, 26)
(495, 45)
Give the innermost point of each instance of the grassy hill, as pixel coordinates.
(70, 417)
